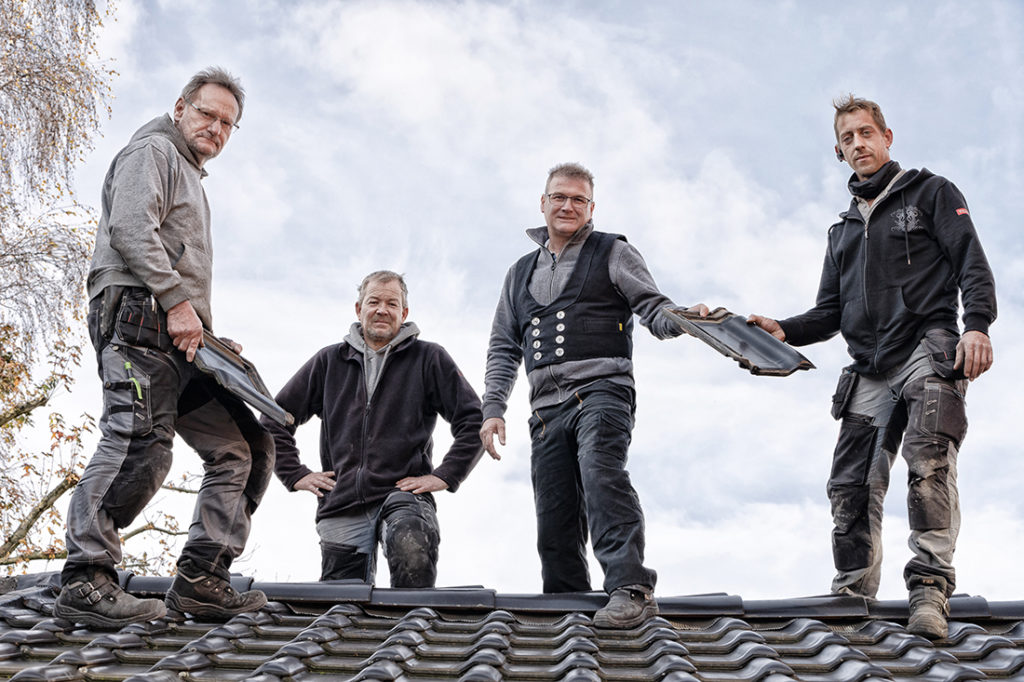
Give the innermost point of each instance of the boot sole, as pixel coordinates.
(605, 623)
(97, 620)
(208, 610)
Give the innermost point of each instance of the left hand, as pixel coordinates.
(232, 344)
(421, 484)
(974, 354)
(700, 309)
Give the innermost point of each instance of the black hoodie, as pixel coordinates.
(888, 280)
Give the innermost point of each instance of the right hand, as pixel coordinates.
(316, 481)
(490, 428)
(769, 325)
(185, 329)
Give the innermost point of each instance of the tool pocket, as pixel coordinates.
(141, 322)
(844, 391)
(940, 345)
(126, 395)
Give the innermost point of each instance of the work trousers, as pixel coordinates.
(580, 483)
(921, 404)
(150, 392)
(404, 524)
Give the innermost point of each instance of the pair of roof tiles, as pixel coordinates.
(352, 631)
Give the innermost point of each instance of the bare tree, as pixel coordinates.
(53, 91)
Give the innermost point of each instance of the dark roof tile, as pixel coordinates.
(323, 632)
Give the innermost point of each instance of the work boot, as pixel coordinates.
(209, 596)
(101, 603)
(627, 607)
(929, 609)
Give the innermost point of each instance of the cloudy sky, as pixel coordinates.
(416, 136)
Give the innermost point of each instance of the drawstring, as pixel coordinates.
(906, 225)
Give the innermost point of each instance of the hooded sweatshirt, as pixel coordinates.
(154, 230)
(897, 269)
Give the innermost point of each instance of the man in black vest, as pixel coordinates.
(567, 309)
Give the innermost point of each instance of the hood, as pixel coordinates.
(354, 338)
(163, 126)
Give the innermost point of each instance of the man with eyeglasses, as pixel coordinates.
(567, 310)
(149, 290)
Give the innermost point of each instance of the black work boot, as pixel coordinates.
(205, 595)
(627, 607)
(98, 601)
(929, 609)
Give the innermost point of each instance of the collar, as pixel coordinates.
(869, 189)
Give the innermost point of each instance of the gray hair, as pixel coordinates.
(570, 170)
(218, 76)
(383, 277)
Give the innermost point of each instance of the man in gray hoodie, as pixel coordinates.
(378, 394)
(149, 290)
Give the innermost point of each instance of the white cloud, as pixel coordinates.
(416, 136)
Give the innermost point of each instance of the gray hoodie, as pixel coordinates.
(154, 231)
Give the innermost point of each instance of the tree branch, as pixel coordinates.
(15, 411)
(176, 489)
(150, 527)
(21, 532)
(48, 555)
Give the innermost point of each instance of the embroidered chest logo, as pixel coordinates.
(907, 219)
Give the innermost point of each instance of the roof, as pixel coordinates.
(352, 631)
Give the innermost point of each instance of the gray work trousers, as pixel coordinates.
(404, 524)
(921, 404)
(150, 392)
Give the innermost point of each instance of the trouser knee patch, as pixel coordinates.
(342, 562)
(141, 475)
(411, 547)
(928, 495)
(851, 535)
(849, 492)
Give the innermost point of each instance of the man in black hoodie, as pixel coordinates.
(378, 394)
(895, 265)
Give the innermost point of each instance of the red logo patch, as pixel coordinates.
(961, 211)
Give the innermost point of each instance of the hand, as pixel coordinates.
(232, 344)
(421, 484)
(315, 482)
(974, 354)
(492, 426)
(769, 325)
(700, 309)
(185, 329)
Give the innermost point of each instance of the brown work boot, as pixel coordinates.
(627, 607)
(101, 603)
(929, 609)
(209, 596)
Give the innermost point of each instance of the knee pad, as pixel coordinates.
(849, 491)
(343, 562)
(142, 473)
(411, 547)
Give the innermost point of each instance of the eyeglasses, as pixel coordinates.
(577, 202)
(210, 117)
